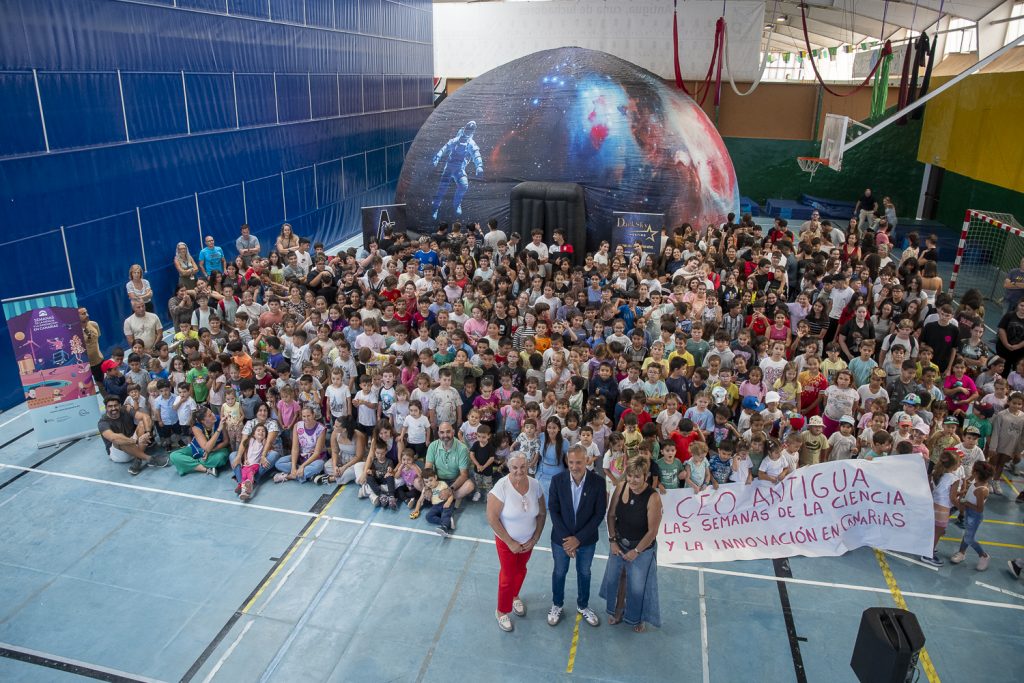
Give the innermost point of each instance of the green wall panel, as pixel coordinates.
(887, 163)
(960, 193)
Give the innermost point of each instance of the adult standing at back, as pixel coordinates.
(138, 287)
(143, 325)
(864, 211)
(494, 235)
(287, 242)
(186, 266)
(630, 584)
(515, 511)
(577, 501)
(211, 258)
(91, 332)
(247, 244)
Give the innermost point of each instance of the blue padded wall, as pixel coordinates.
(129, 126)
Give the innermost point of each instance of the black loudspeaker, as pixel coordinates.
(888, 644)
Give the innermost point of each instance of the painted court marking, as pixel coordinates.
(999, 590)
(897, 597)
(705, 668)
(72, 666)
(911, 560)
(490, 541)
(16, 417)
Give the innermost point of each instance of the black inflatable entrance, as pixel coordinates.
(550, 206)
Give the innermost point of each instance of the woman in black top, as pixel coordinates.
(630, 585)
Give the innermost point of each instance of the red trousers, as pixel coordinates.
(511, 575)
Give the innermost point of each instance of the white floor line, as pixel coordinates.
(703, 627)
(999, 590)
(178, 494)
(16, 417)
(292, 567)
(72, 663)
(911, 560)
(490, 541)
(227, 653)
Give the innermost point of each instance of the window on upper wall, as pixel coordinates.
(1014, 29)
(962, 36)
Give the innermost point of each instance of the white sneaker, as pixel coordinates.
(504, 622)
(280, 477)
(519, 607)
(996, 488)
(957, 557)
(362, 492)
(589, 616)
(476, 496)
(554, 615)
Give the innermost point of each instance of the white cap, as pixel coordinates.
(719, 394)
(772, 397)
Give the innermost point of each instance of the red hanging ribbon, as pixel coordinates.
(717, 56)
(886, 50)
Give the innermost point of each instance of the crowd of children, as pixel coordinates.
(729, 356)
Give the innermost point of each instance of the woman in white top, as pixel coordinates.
(516, 512)
(138, 287)
(943, 478)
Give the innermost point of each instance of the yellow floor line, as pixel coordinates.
(1001, 521)
(1016, 491)
(992, 543)
(897, 596)
(575, 643)
(287, 558)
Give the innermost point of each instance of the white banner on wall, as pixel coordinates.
(472, 38)
(818, 511)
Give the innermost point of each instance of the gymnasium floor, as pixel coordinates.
(157, 577)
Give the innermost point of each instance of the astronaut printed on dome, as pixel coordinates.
(632, 142)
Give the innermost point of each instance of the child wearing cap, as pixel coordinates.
(842, 444)
(943, 438)
(771, 413)
(814, 446)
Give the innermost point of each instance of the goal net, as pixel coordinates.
(991, 245)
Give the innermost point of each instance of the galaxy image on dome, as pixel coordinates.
(569, 115)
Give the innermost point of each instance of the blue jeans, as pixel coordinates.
(440, 515)
(312, 469)
(584, 558)
(639, 585)
(272, 458)
(973, 521)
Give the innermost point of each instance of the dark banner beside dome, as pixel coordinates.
(569, 115)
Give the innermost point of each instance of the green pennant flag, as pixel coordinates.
(815, 53)
(786, 56)
(770, 59)
(832, 51)
(863, 46)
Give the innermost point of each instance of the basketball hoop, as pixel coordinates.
(811, 164)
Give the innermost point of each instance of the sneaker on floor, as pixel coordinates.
(959, 521)
(212, 471)
(518, 606)
(321, 479)
(451, 524)
(504, 622)
(392, 503)
(1015, 568)
(374, 499)
(983, 562)
(957, 557)
(476, 496)
(996, 488)
(444, 531)
(362, 492)
(933, 560)
(589, 616)
(135, 466)
(554, 615)
(246, 493)
(1019, 498)
(158, 460)
(280, 477)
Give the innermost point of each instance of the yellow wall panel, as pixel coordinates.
(976, 129)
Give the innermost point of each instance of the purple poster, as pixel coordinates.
(53, 365)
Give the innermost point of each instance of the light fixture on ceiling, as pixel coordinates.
(781, 19)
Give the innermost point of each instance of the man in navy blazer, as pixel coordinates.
(578, 501)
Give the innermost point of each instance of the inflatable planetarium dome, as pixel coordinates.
(569, 115)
